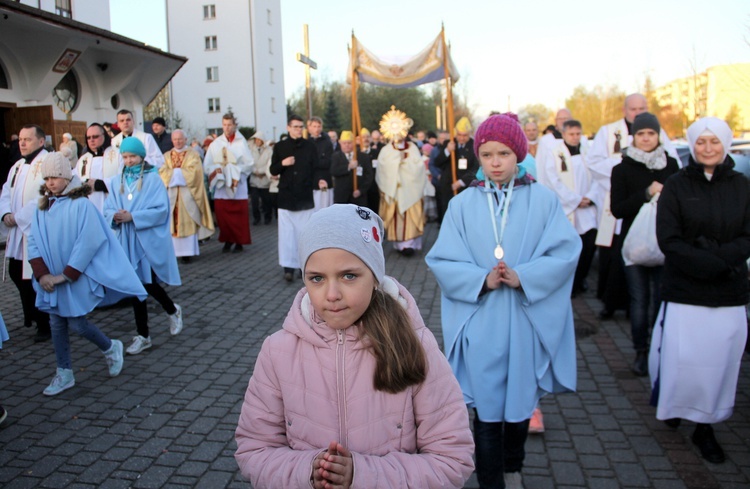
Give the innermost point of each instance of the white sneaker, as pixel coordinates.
(175, 321)
(114, 358)
(139, 344)
(513, 480)
(62, 380)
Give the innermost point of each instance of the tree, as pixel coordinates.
(332, 117)
(246, 131)
(594, 108)
(734, 118)
(159, 107)
(672, 119)
(539, 113)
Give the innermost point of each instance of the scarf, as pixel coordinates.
(655, 160)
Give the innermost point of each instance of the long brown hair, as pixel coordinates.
(400, 358)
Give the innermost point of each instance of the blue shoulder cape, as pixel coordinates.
(146, 239)
(73, 232)
(510, 346)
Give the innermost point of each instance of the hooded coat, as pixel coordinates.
(313, 384)
(68, 234)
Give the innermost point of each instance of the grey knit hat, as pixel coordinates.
(352, 228)
(56, 165)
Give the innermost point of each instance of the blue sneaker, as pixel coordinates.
(114, 358)
(63, 380)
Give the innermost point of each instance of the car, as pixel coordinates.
(740, 153)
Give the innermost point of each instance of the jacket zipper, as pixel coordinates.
(340, 387)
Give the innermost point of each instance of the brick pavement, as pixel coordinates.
(168, 420)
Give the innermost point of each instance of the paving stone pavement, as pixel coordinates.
(168, 420)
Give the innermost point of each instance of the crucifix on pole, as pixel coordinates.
(305, 59)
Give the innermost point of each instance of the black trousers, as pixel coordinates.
(499, 449)
(588, 240)
(260, 198)
(28, 298)
(141, 310)
(613, 287)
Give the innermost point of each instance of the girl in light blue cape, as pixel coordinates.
(77, 265)
(137, 209)
(504, 260)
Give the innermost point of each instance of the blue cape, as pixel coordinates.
(73, 232)
(510, 346)
(146, 239)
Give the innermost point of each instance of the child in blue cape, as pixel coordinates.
(504, 260)
(137, 209)
(77, 265)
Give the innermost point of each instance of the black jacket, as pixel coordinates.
(468, 175)
(296, 181)
(323, 166)
(629, 187)
(703, 228)
(342, 175)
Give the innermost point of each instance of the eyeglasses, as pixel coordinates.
(94, 137)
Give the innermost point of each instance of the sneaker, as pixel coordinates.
(139, 344)
(175, 321)
(62, 380)
(3, 414)
(114, 358)
(536, 423)
(513, 480)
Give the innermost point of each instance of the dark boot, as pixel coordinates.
(704, 439)
(673, 422)
(640, 365)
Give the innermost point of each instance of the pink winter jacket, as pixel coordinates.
(313, 385)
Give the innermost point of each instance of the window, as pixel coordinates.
(268, 16)
(62, 8)
(209, 12)
(65, 93)
(214, 105)
(273, 104)
(212, 73)
(272, 75)
(210, 43)
(4, 83)
(270, 46)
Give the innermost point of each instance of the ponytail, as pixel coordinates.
(400, 358)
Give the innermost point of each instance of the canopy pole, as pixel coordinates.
(355, 106)
(451, 119)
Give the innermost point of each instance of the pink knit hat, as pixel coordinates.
(505, 129)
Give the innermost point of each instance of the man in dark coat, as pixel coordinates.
(467, 165)
(294, 160)
(322, 182)
(343, 166)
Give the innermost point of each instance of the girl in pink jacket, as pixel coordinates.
(354, 390)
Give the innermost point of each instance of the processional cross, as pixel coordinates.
(305, 59)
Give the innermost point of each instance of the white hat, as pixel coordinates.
(56, 165)
(715, 126)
